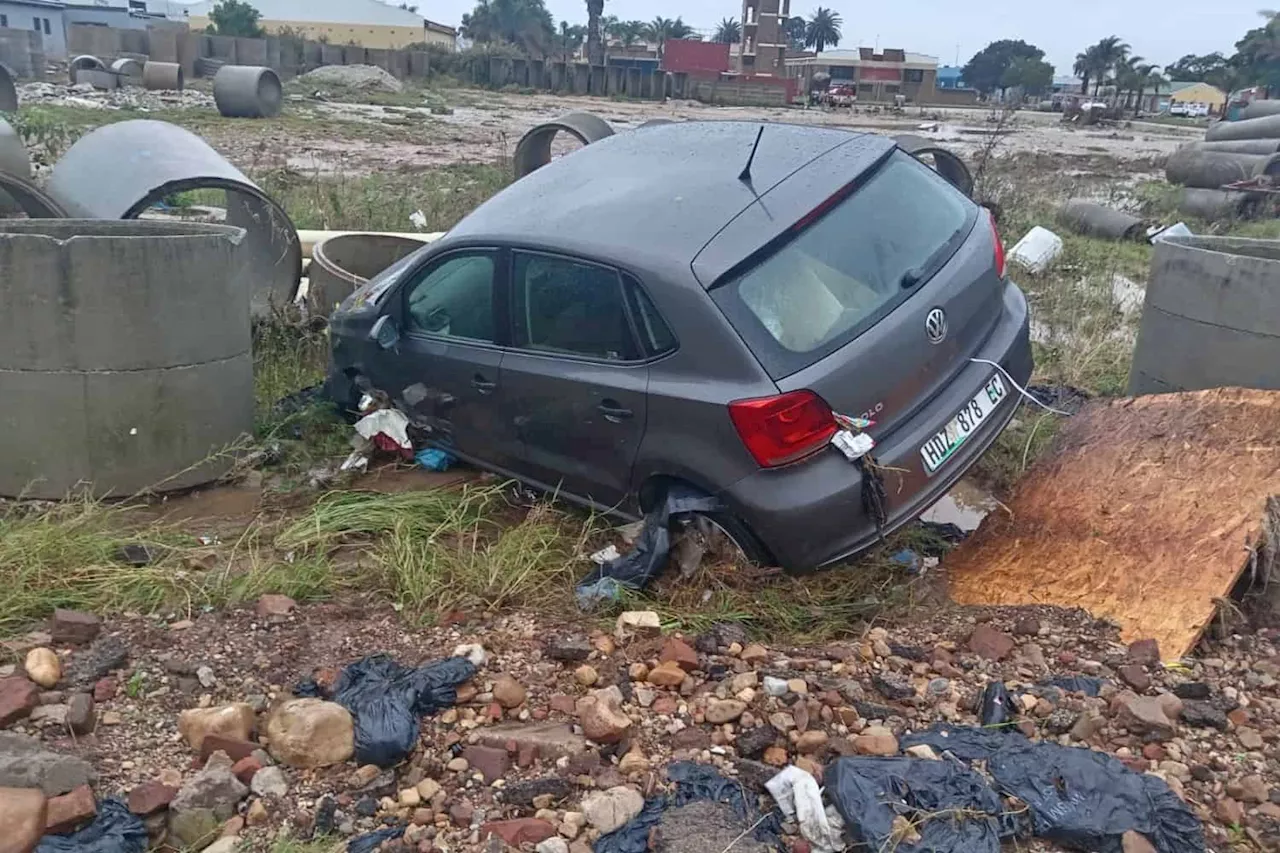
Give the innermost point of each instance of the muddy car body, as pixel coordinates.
(643, 312)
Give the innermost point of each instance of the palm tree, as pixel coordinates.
(823, 29)
(1108, 55)
(660, 29)
(570, 38)
(630, 32)
(595, 47)
(728, 32)
(1149, 76)
(795, 30)
(1084, 69)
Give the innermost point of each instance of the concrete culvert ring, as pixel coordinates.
(163, 76)
(341, 264)
(247, 91)
(654, 122)
(129, 71)
(943, 161)
(534, 150)
(84, 62)
(8, 92)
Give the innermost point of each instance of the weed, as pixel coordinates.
(136, 685)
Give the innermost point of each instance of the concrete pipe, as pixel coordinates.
(341, 264)
(1240, 146)
(1096, 220)
(1215, 169)
(1212, 205)
(84, 62)
(18, 195)
(162, 76)
(120, 170)
(247, 91)
(942, 160)
(534, 150)
(1212, 316)
(129, 345)
(14, 159)
(310, 239)
(1267, 127)
(8, 91)
(1260, 109)
(654, 122)
(128, 71)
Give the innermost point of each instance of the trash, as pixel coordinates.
(605, 555)
(1086, 684)
(388, 429)
(952, 807)
(909, 560)
(996, 707)
(1178, 230)
(418, 219)
(435, 460)
(636, 568)
(114, 830)
(1039, 248)
(358, 462)
(966, 743)
(854, 446)
(800, 799)
(371, 841)
(387, 699)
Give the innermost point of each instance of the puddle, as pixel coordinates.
(964, 506)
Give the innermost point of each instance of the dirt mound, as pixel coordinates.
(363, 78)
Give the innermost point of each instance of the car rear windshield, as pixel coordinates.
(850, 267)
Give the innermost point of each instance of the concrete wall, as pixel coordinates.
(366, 36)
(17, 16)
(22, 51)
(729, 93)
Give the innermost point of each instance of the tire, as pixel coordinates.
(740, 535)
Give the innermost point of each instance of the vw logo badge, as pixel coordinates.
(935, 326)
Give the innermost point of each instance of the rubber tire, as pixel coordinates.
(743, 536)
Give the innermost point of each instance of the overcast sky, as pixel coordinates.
(1160, 30)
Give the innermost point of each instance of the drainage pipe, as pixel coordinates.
(162, 76)
(1215, 169)
(534, 149)
(1260, 109)
(1239, 146)
(8, 92)
(247, 91)
(84, 62)
(943, 161)
(1217, 204)
(1096, 220)
(129, 71)
(17, 192)
(309, 239)
(341, 264)
(1266, 127)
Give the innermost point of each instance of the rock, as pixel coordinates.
(246, 768)
(363, 775)
(458, 765)
(26, 763)
(754, 741)
(602, 718)
(274, 606)
(552, 845)
(574, 649)
(775, 687)
(1251, 789)
(667, 675)
(1249, 738)
(677, 651)
(232, 721)
(1229, 811)
(204, 674)
(893, 686)
(235, 748)
(572, 824)
(19, 696)
(225, 844)
(70, 810)
(427, 789)
(876, 740)
(1135, 842)
(524, 792)
(586, 675)
(23, 815)
(1203, 715)
(311, 733)
(43, 667)
(269, 782)
(194, 828)
(81, 716)
(608, 810)
(85, 667)
(74, 627)
(1135, 675)
(50, 715)
(725, 710)
(1027, 626)
(461, 814)
(643, 623)
(409, 798)
(150, 797)
(1142, 715)
(923, 750)
(524, 830)
(634, 761)
(508, 692)
(549, 740)
(775, 756)
(1144, 652)
(212, 790)
(811, 742)
(1191, 690)
(493, 763)
(989, 643)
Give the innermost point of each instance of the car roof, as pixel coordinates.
(648, 199)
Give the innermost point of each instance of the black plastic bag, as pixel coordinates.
(996, 706)
(1086, 684)
(114, 830)
(387, 700)
(964, 742)
(371, 841)
(952, 807)
(635, 569)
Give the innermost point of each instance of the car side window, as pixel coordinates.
(655, 335)
(568, 307)
(454, 298)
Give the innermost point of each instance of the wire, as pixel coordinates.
(1023, 391)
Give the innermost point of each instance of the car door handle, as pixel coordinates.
(613, 412)
(484, 386)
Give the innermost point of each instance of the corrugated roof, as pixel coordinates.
(371, 12)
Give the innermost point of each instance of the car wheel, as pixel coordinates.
(729, 536)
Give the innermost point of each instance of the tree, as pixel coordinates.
(823, 29)
(729, 31)
(1257, 58)
(1148, 77)
(595, 45)
(630, 32)
(1105, 59)
(660, 29)
(235, 18)
(568, 39)
(1084, 69)
(985, 71)
(795, 29)
(524, 23)
(1033, 76)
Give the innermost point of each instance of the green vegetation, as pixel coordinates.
(235, 18)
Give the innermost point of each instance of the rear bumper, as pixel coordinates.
(810, 514)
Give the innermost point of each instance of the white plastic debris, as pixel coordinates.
(604, 555)
(358, 462)
(854, 446)
(418, 220)
(473, 652)
(389, 422)
(1178, 230)
(1037, 250)
(800, 799)
(776, 687)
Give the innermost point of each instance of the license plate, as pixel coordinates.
(941, 447)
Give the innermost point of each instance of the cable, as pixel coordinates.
(1023, 391)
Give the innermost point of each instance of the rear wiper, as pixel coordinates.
(911, 278)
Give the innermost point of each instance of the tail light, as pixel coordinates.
(782, 429)
(995, 234)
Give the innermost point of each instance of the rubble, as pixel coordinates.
(86, 96)
(363, 78)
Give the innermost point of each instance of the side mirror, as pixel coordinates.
(385, 333)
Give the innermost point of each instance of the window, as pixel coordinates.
(35, 24)
(4, 20)
(454, 299)
(46, 26)
(565, 306)
(655, 335)
(913, 75)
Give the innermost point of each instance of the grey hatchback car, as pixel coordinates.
(644, 312)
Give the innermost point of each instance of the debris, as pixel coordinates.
(434, 460)
(1039, 248)
(908, 560)
(388, 429)
(27, 763)
(1097, 220)
(601, 715)
(996, 708)
(74, 627)
(71, 810)
(608, 810)
(798, 796)
(18, 698)
(854, 446)
(363, 78)
(114, 830)
(1179, 229)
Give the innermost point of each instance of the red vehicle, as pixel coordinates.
(841, 95)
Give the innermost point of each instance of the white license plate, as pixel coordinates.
(941, 447)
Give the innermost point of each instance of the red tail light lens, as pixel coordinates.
(782, 429)
(995, 234)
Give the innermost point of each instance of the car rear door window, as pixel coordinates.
(569, 307)
(656, 337)
(454, 298)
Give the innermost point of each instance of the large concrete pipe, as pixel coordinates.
(1096, 220)
(84, 62)
(128, 347)
(942, 160)
(18, 195)
(1212, 316)
(128, 71)
(341, 264)
(1218, 204)
(1267, 127)
(8, 91)
(1260, 109)
(534, 149)
(120, 170)
(163, 76)
(1214, 169)
(247, 91)
(14, 159)
(1240, 146)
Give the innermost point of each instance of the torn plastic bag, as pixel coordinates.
(967, 743)
(371, 841)
(996, 706)
(952, 808)
(1086, 684)
(798, 796)
(635, 569)
(387, 700)
(114, 830)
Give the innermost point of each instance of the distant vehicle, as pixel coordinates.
(1197, 110)
(844, 95)
(1178, 108)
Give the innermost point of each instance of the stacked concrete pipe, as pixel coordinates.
(1264, 127)
(247, 91)
(1260, 109)
(163, 76)
(125, 354)
(1192, 167)
(341, 264)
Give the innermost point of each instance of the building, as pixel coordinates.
(441, 34)
(370, 23)
(764, 45)
(695, 57)
(42, 16)
(1196, 93)
(879, 77)
(123, 14)
(951, 78)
